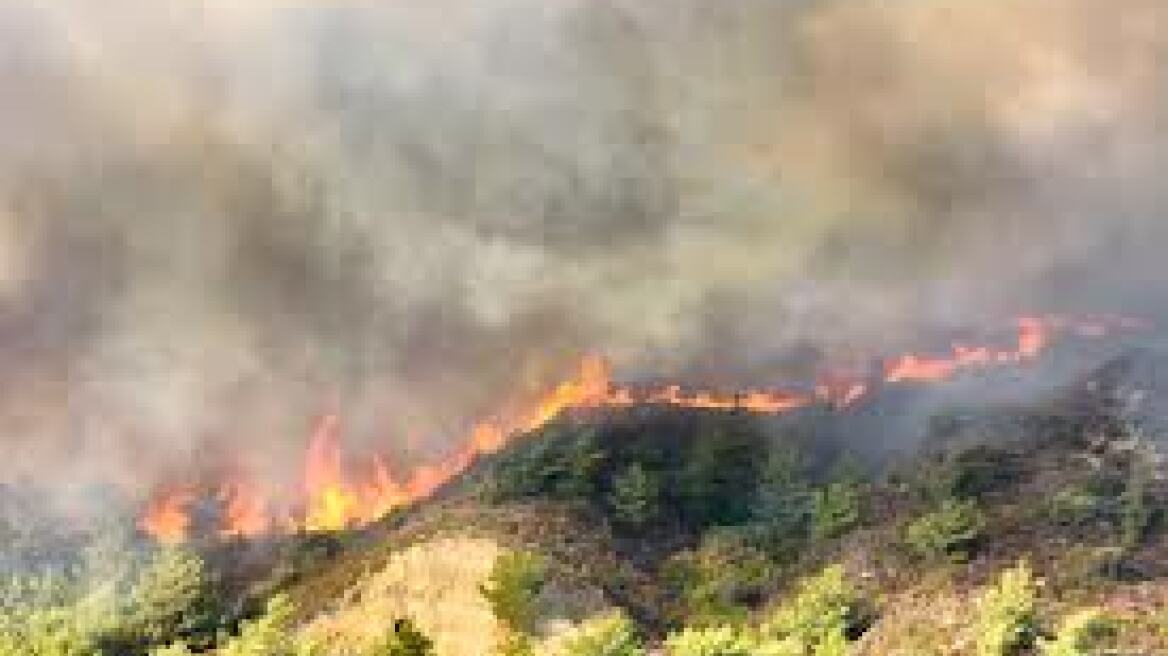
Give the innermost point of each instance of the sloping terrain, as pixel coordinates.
(1005, 527)
(693, 518)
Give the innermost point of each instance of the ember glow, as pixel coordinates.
(336, 496)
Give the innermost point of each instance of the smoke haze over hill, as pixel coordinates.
(219, 220)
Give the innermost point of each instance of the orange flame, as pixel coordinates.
(167, 518)
(1033, 337)
(841, 393)
(245, 511)
(335, 498)
(331, 502)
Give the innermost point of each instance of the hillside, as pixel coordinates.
(692, 518)
(583, 328)
(1041, 523)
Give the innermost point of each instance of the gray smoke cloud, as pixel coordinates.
(220, 219)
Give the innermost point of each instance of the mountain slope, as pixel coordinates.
(691, 518)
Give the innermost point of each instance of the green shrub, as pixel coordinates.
(1135, 510)
(716, 581)
(47, 632)
(983, 469)
(111, 603)
(1081, 634)
(717, 484)
(1006, 621)
(783, 501)
(835, 510)
(716, 641)
(819, 619)
(404, 640)
(42, 590)
(565, 463)
(1086, 567)
(172, 598)
(50, 615)
(636, 496)
(950, 531)
(612, 634)
(271, 634)
(1075, 505)
(513, 588)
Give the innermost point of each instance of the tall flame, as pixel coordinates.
(336, 496)
(331, 501)
(245, 510)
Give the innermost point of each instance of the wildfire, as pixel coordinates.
(167, 518)
(245, 511)
(331, 501)
(335, 496)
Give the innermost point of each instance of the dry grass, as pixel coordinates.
(436, 583)
(928, 621)
(935, 618)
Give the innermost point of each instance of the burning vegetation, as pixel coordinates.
(731, 327)
(336, 496)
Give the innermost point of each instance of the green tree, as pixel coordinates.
(513, 588)
(714, 582)
(110, 604)
(636, 496)
(173, 597)
(271, 634)
(818, 619)
(564, 463)
(47, 632)
(1135, 511)
(1007, 620)
(835, 510)
(1080, 634)
(1075, 505)
(714, 641)
(950, 531)
(783, 501)
(716, 486)
(611, 634)
(48, 615)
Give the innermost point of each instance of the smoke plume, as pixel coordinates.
(221, 219)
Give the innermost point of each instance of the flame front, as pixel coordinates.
(245, 510)
(1033, 337)
(167, 518)
(331, 502)
(337, 497)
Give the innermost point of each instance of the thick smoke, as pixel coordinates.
(220, 219)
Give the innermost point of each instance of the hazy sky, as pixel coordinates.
(220, 219)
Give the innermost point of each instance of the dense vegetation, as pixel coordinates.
(696, 533)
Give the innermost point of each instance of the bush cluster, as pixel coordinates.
(948, 532)
(716, 582)
(1007, 620)
(610, 634)
(111, 605)
(695, 472)
(513, 589)
(821, 618)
